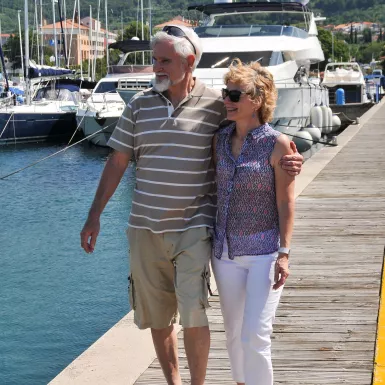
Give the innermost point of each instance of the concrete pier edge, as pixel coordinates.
(123, 353)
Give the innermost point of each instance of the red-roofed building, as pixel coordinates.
(4, 37)
(82, 46)
(359, 26)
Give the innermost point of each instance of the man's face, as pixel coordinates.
(169, 68)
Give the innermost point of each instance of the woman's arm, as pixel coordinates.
(284, 190)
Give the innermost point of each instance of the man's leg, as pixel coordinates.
(152, 296)
(197, 346)
(192, 251)
(166, 347)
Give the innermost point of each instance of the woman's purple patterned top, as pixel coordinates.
(247, 211)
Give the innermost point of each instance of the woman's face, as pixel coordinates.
(242, 110)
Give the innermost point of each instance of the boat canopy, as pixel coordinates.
(131, 45)
(38, 71)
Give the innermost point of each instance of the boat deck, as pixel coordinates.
(326, 328)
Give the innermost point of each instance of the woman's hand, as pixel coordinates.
(281, 270)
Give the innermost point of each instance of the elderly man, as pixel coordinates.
(167, 130)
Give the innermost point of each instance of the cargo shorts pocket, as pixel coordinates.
(131, 292)
(206, 289)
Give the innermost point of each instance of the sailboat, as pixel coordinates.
(49, 113)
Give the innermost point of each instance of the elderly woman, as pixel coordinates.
(254, 220)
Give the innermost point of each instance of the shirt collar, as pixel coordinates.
(255, 133)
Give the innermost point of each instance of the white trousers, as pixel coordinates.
(248, 304)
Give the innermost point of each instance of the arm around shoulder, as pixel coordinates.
(284, 189)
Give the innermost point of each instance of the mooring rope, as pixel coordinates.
(55, 153)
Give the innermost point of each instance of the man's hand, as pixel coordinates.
(292, 163)
(89, 234)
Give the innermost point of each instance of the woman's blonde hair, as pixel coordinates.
(258, 83)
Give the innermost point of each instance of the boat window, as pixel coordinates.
(255, 24)
(276, 59)
(106, 87)
(250, 30)
(224, 59)
(49, 93)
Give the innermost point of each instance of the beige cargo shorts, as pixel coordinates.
(170, 272)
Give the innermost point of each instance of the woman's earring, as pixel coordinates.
(254, 115)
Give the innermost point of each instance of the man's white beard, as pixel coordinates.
(165, 84)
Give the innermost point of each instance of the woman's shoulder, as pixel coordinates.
(226, 128)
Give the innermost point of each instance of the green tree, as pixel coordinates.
(341, 50)
(367, 35)
(12, 51)
(134, 29)
(369, 51)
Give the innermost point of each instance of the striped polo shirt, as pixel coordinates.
(175, 187)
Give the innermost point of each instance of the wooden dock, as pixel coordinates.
(326, 328)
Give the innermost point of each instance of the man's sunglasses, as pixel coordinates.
(177, 32)
(234, 95)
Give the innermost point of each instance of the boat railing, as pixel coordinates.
(132, 83)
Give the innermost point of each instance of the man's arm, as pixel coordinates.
(284, 191)
(112, 174)
(292, 163)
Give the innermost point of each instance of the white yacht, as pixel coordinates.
(281, 35)
(349, 77)
(98, 115)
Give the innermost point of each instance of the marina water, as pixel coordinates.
(55, 300)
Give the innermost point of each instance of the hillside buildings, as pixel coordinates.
(88, 40)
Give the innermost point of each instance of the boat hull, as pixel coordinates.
(90, 125)
(294, 104)
(27, 127)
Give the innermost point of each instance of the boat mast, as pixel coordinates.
(72, 31)
(141, 13)
(107, 51)
(80, 43)
(37, 34)
(65, 27)
(89, 73)
(121, 22)
(54, 32)
(150, 22)
(21, 46)
(62, 39)
(41, 31)
(97, 41)
(26, 37)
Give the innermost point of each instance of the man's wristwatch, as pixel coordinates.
(284, 250)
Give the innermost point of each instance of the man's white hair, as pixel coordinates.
(182, 46)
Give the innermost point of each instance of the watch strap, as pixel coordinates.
(284, 250)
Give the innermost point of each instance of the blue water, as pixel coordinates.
(55, 300)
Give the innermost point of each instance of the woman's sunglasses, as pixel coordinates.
(177, 32)
(234, 95)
